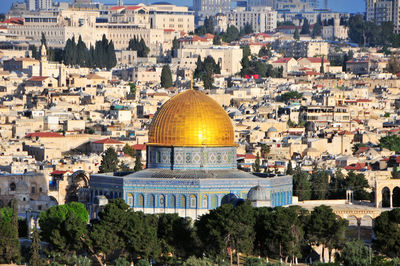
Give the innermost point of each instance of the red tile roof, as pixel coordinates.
(108, 141)
(59, 172)
(37, 78)
(44, 135)
(315, 59)
(357, 167)
(283, 60)
(246, 156)
(141, 147)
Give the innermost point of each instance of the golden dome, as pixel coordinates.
(191, 119)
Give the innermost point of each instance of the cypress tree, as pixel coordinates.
(166, 77)
(112, 60)
(138, 162)
(81, 52)
(289, 170)
(34, 252)
(109, 161)
(257, 164)
(322, 69)
(296, 34)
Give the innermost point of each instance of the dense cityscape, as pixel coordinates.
(219, 132)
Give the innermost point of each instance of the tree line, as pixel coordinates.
(205, 70)
(102, 55)
(120, 235)
(320, 185)
(231, 34)
(253, 66)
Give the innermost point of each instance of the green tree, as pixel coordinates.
(301, 184)
(322, 68)
(265, 150)
(34, 252)
(176, 235)
(140, 233)
(166, 77)
(209, 24)
(391, 142)
(323, 228)
(193, 261)
(290, 96)
(138, 162)
(247, 29)
(317, 30)
(217, 40)
(139, 46)
(319, 184)
(64, 227)
(354, 253)
(109, 161)
(107, 238)
(337, 186)
(111, 58)
(9, 241)
(305, 28)
(231, 34)
(225, 227)
(387, 233)
(358, 183)
(257, 164)
(129, 150)
(296, 34)
(81, 52)
(393, 65)
(265, 51)
(289, 169)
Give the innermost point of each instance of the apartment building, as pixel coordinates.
(262, 19)
(299, 49)
(229, 57)
(211, 7)
(384, 10)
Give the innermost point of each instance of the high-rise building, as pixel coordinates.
(384, 10)
(211, 7)
(38, 4)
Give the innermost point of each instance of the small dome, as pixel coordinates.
(272, 129)
(258, 193)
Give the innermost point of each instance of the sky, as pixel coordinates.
(353, 6)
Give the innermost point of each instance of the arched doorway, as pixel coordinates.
(396, 197)
(79, 179)
(385, 197)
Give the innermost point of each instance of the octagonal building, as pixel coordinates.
(191, 164)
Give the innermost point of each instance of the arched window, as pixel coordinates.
(130, 199)
(193, 201)
(162, 201)
(12, 186)
(141, 200)
(151, 200)
(183, 201)
(214, 202)
(205, 202)
(172, 201)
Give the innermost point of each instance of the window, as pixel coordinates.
(141, 200)
(193, 201)
(33, 190)
(12, 187)
(162, 201)
(183, 201)
(214, 202)
(151, 200)
(172, 201)
(205, 202)
(130, 199)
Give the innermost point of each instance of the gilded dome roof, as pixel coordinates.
(191, 119)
